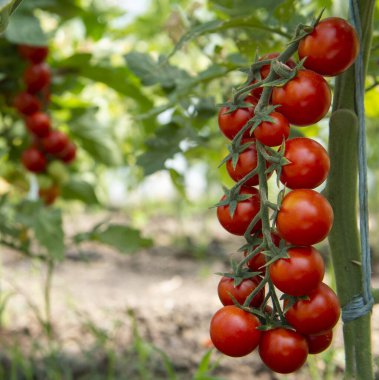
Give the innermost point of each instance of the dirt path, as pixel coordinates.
(173, 296)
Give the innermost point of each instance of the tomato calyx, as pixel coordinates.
(289, 301)
(232, 197)
(234, 153)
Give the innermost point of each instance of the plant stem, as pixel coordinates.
(342, 194)
(47, 297)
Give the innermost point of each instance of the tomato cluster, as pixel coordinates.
(50, 148)
(281, 253)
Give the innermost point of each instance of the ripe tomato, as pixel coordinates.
(317, 314)
(243, 215)
(331, 48)
(304, 100)
(39, 124)
(282, 350)
(234, 331)
(231, 123)
(55, 142)
(37, 77)
(34, 54)
(265, 70)
(259, 260)
(300, 274)
(241, 292)
(273, 133)
(49, 195)
(68, 155)
(309, 164)
(319, 343)
(305, 217)
(33, 160)
(247, 162)
(26, 104)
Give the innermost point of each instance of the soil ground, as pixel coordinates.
(171, 293)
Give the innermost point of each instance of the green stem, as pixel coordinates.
(342, 193)
(47, 297)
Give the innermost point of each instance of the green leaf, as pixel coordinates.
(7, 7)
(178, 181)
(125, 239)
(96, 139)
(46, 223)
(25, 28)
(151, 72)
(77, 189)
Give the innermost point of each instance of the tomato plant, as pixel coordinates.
(34, 160)
(282, 350)
(304, 100)
(227, 291)
(245, 211)
(305, 217)
(331, 48)
(38, 123)
(308, 164)
(37, 77)
(299, 274)
(316, 314)
(319, 343)
(273, 133)
(234, 331)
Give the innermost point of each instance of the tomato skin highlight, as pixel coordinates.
(273, 133)
(309, 164)
(243, 215)
(301, 273)
(331, 48)
(317, 314)
(304, 100)
(234, 331)
(319, 343)
(305, 217)
(240, 292)
(33, 160)
(231, 123)
(38, 124)
(282, 350)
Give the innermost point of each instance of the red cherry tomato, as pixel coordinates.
(331, 48)
(317, 314)
(305, 217)
(68, 155)
(303, 100)
(34, 54)
(33, 160)
(309, 164)
(37, 77)
(234, 331)
(259, 260)
(55, 142)
(231, 123)
(319, 343)
(241, 292)
(26, 104)
(301, 273)
(273, 133)
(49, 195)
(282, 350)
(39, 124)
(247, 162)
(243, 215)
(265, 70)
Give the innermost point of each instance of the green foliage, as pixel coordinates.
(7, 7)
(123, 238)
